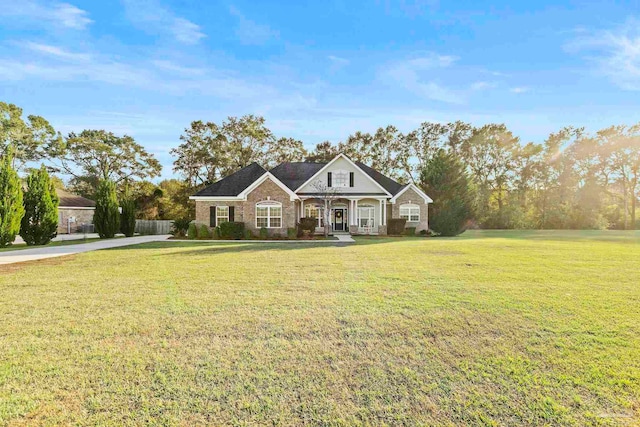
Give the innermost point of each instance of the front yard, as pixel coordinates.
(490, 328)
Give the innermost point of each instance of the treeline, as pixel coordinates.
(88, 158)
(573, 179)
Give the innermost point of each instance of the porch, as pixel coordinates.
(361, 215)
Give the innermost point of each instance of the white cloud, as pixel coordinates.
(482, 85)
(56, 51)
(70, 16)
(338, 60)
(178, 69)
(615, 53)
(151, 16)
(519, 89)
(250, 32)
(412, 76)
(56, 14)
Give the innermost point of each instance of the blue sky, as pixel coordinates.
(320, 70)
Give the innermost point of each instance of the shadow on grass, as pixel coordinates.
(247, 246)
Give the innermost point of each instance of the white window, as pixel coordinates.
(222, 214)
(269, 215)
(340, 178)
(314, 211)
(410, 212)
(366, 217)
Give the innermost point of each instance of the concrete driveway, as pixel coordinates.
(44, 252)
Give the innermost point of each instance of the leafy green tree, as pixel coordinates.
(11, 208)
(32, 139)
(322, 153)
(128, 216)
(210, 151)
(40, 220)
(95, 155)
(444, 178)
(106, 217)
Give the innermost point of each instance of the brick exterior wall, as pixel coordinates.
(202, 210)
(410, 196)
(269, 190)
(245, 211)
(82, 216)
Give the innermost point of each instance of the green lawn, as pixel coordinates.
(490, 328)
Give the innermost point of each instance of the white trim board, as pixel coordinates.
(353, 164)
(426, 198)
(268, 175)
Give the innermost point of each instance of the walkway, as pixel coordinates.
(44, 252)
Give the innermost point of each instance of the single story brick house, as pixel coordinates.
(363, 198)
(74, 212)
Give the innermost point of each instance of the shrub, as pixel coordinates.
(180, 227)
(192, 231)
(106, 218)
(216, 233)
(292, 233)
(231, 230)
(247, 234)
(40, 220)
(410, 231)
(307, 224)
(264, 233)
(204, 232)
(395, 226)
(128, 217)
(11, 208)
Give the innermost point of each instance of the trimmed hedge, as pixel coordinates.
(410, 231)
(203, 232)
(192, 232)
(264, 233)
(307, 224)
(231, 230)
(292, 233)
(395, 226)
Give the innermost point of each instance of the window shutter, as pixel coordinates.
(212, 216)
(350, 179)
(231, 213)
(328, 179)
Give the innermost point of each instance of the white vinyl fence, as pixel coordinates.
(147, 227)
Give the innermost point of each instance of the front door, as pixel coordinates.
(338, 219)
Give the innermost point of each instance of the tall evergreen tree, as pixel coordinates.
(444, 179)
(106, 217)
(11, 209)
(128, 216)
(40, 221)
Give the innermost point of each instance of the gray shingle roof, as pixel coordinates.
(389, 184)
(294, 174)
(70, 200)
(235, 183)
(291, 174)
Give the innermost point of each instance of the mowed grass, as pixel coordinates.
(490, 328)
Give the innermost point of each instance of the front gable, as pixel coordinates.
(346, 177)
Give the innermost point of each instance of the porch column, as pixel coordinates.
(355, 212)
(301, 208)
(384, 212)
(381, 219)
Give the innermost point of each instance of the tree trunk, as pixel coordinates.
(327, 215)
